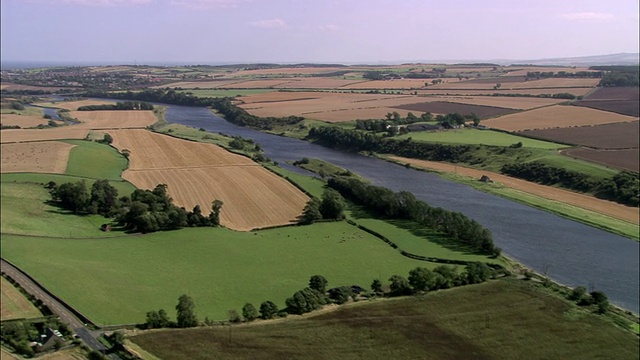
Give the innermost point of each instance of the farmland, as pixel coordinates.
(112, 119)
(74, 105)
(37, 157)
(623, 159)
(608, 136)
(622, 100)
(474, 136)
(512, 322)
(557, 116)
(437, 107)
(198, 174)
(23, 121)
(14, 305)
(59, 133)
(113, 286)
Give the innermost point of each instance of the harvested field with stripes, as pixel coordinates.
(35, 157)
(557, 116)
(198, 174)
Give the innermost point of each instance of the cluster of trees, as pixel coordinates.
(563, 74)
(403, 205)
(623, 188)
(241, 117)
(330, 207)
(127, 105)
(144, 211)
(442, 277)
(619, 75)
(597, 298)
(354, 140)
(166, 96)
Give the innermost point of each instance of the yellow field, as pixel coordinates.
(38, 157)
(557, 116)
(14, 305)
(197, 84)
(258, 84)
(198, 174)
(114, 119)
(59, 133)
(24, 121)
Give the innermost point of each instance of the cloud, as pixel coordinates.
(208, 4)
(92, 2)
(329, 27)
(269, 24)
(587, 16)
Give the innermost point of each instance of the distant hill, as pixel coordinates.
(611, 59)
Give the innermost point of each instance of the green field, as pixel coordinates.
(95, 160)
(485, 137)
(25, 211)
(494, 320)
(117, 280)
(224, 92)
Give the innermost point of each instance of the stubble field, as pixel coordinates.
(114, 119)
(59, 133)
(24, 121)
(198, 174)
(35, 157)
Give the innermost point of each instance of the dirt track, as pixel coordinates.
(605, 207)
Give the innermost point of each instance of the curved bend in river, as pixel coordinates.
(567, 251)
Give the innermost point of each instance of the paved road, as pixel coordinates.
(56, 307)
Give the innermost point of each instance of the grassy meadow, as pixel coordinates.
(485, 137)
(95, 160)
(14, 305)
(495, 320)
(117, 280)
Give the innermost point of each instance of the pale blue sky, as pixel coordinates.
(337, 31)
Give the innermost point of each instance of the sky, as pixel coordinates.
(320, 31)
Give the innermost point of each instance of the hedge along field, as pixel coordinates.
(95, 160)
(118, 280)
(485, 137)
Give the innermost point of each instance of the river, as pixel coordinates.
(568, 252)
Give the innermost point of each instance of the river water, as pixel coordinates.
(568, 252)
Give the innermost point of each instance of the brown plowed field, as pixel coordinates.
(556, 83)
(622, 100)
(24, 121)
(112, 119)
(36, 157)
(628, 159)
(607, 136)
(557, 116)
(24, 135)
(516, 103)
(605, 207)
(438, 107)
(197, 174)
(575, 91)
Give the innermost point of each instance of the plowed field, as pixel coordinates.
(610, 208)
(556, 116)
(112, 119)
(60, 133)
(607, 136)
(628, 159)
(198, 174)
(439, 107)
(36, 157)
(623, 100)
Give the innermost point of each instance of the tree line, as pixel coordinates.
(143, 211)
(624, 187)
(127, 105)
(404, 205)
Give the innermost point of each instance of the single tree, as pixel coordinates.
(333, 205)
(311, 212)
(234, 317)
(249, 312)
(318, 283)
(268, 309)
(214, 216)
(186, 315)
(422, 279)
(399, 285)
(376, 286)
